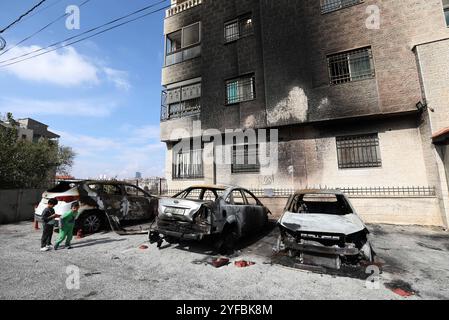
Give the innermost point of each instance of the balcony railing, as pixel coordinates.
(182, 7)
(183, 55)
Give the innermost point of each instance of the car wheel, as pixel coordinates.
(229, 241)
(91, 223)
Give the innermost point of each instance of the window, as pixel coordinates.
(112, 189)
(351, 66)
(446, 11)
(250, 199)
(183, 44)
(134, 191)
(238, 199)
(181, 101)
(361, 151)
(240, 90)
(188, 165)
(333, 5)
(238, 28)
(245, 159)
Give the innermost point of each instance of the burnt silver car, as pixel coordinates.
(322, 228)
(227, 212)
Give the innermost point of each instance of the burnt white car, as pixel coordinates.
(322, 228)
(227, 212)
(102, 203)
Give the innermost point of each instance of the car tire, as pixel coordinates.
(91, 223)
(229, 240)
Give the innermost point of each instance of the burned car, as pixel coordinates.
(102, 203)
(224, 212)
(322, 228)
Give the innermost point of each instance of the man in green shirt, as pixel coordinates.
(67, 225)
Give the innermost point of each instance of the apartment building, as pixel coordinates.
(358, 91)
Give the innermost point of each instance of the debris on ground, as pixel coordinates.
(220, 262)
(143, 247)
(243, 263)
(401, 288)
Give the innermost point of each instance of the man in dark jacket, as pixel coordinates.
(48, 218)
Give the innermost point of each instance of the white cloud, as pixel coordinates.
(136, 150)
(65, 67)
(66, 107)
(118, 77)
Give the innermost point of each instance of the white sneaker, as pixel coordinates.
(50, 247)
(44, 249)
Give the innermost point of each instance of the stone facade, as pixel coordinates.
(287, 53)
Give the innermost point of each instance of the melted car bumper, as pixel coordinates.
(346, 251)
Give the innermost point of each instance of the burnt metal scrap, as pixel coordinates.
(322, 228)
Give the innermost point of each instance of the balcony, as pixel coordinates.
(182, 55)
(182, 6)
(181, 102)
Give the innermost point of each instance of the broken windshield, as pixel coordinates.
(334, 204)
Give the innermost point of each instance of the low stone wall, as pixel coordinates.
(391, 210)
(18, 205)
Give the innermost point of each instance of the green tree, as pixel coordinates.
(26, 164)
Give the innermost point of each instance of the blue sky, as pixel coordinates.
(101, 95)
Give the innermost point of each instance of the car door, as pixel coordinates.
(240, 208)
(113, 200)
(139, 204)
(258, 211)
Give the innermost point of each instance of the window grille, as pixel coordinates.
(361, 151)
(350, 66)
(240, 90)
(238, 28)
(245, 159)
(333, 5)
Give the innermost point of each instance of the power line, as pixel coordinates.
(83, 33)
(40, 10)
(40, 30)
(85, 38)
(22, 16)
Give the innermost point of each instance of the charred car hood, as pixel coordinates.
(325, 223)
(180, 209)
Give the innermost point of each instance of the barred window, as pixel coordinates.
(361, 151)
(446, 11)
(245, 159)
(333, 5)
(240, 90)
(350, 66)
(238, 28)
(188, 165)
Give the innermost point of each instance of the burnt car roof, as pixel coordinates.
(114, 182)
(319, 191)
(210, 186)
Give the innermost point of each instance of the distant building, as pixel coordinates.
(31, 130)
(38, 129)
(138, 175)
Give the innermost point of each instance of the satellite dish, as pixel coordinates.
(2, 43)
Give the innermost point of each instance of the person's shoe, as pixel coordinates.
(69, 247)
(44, 249)
(56, 247)
(50, 247)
